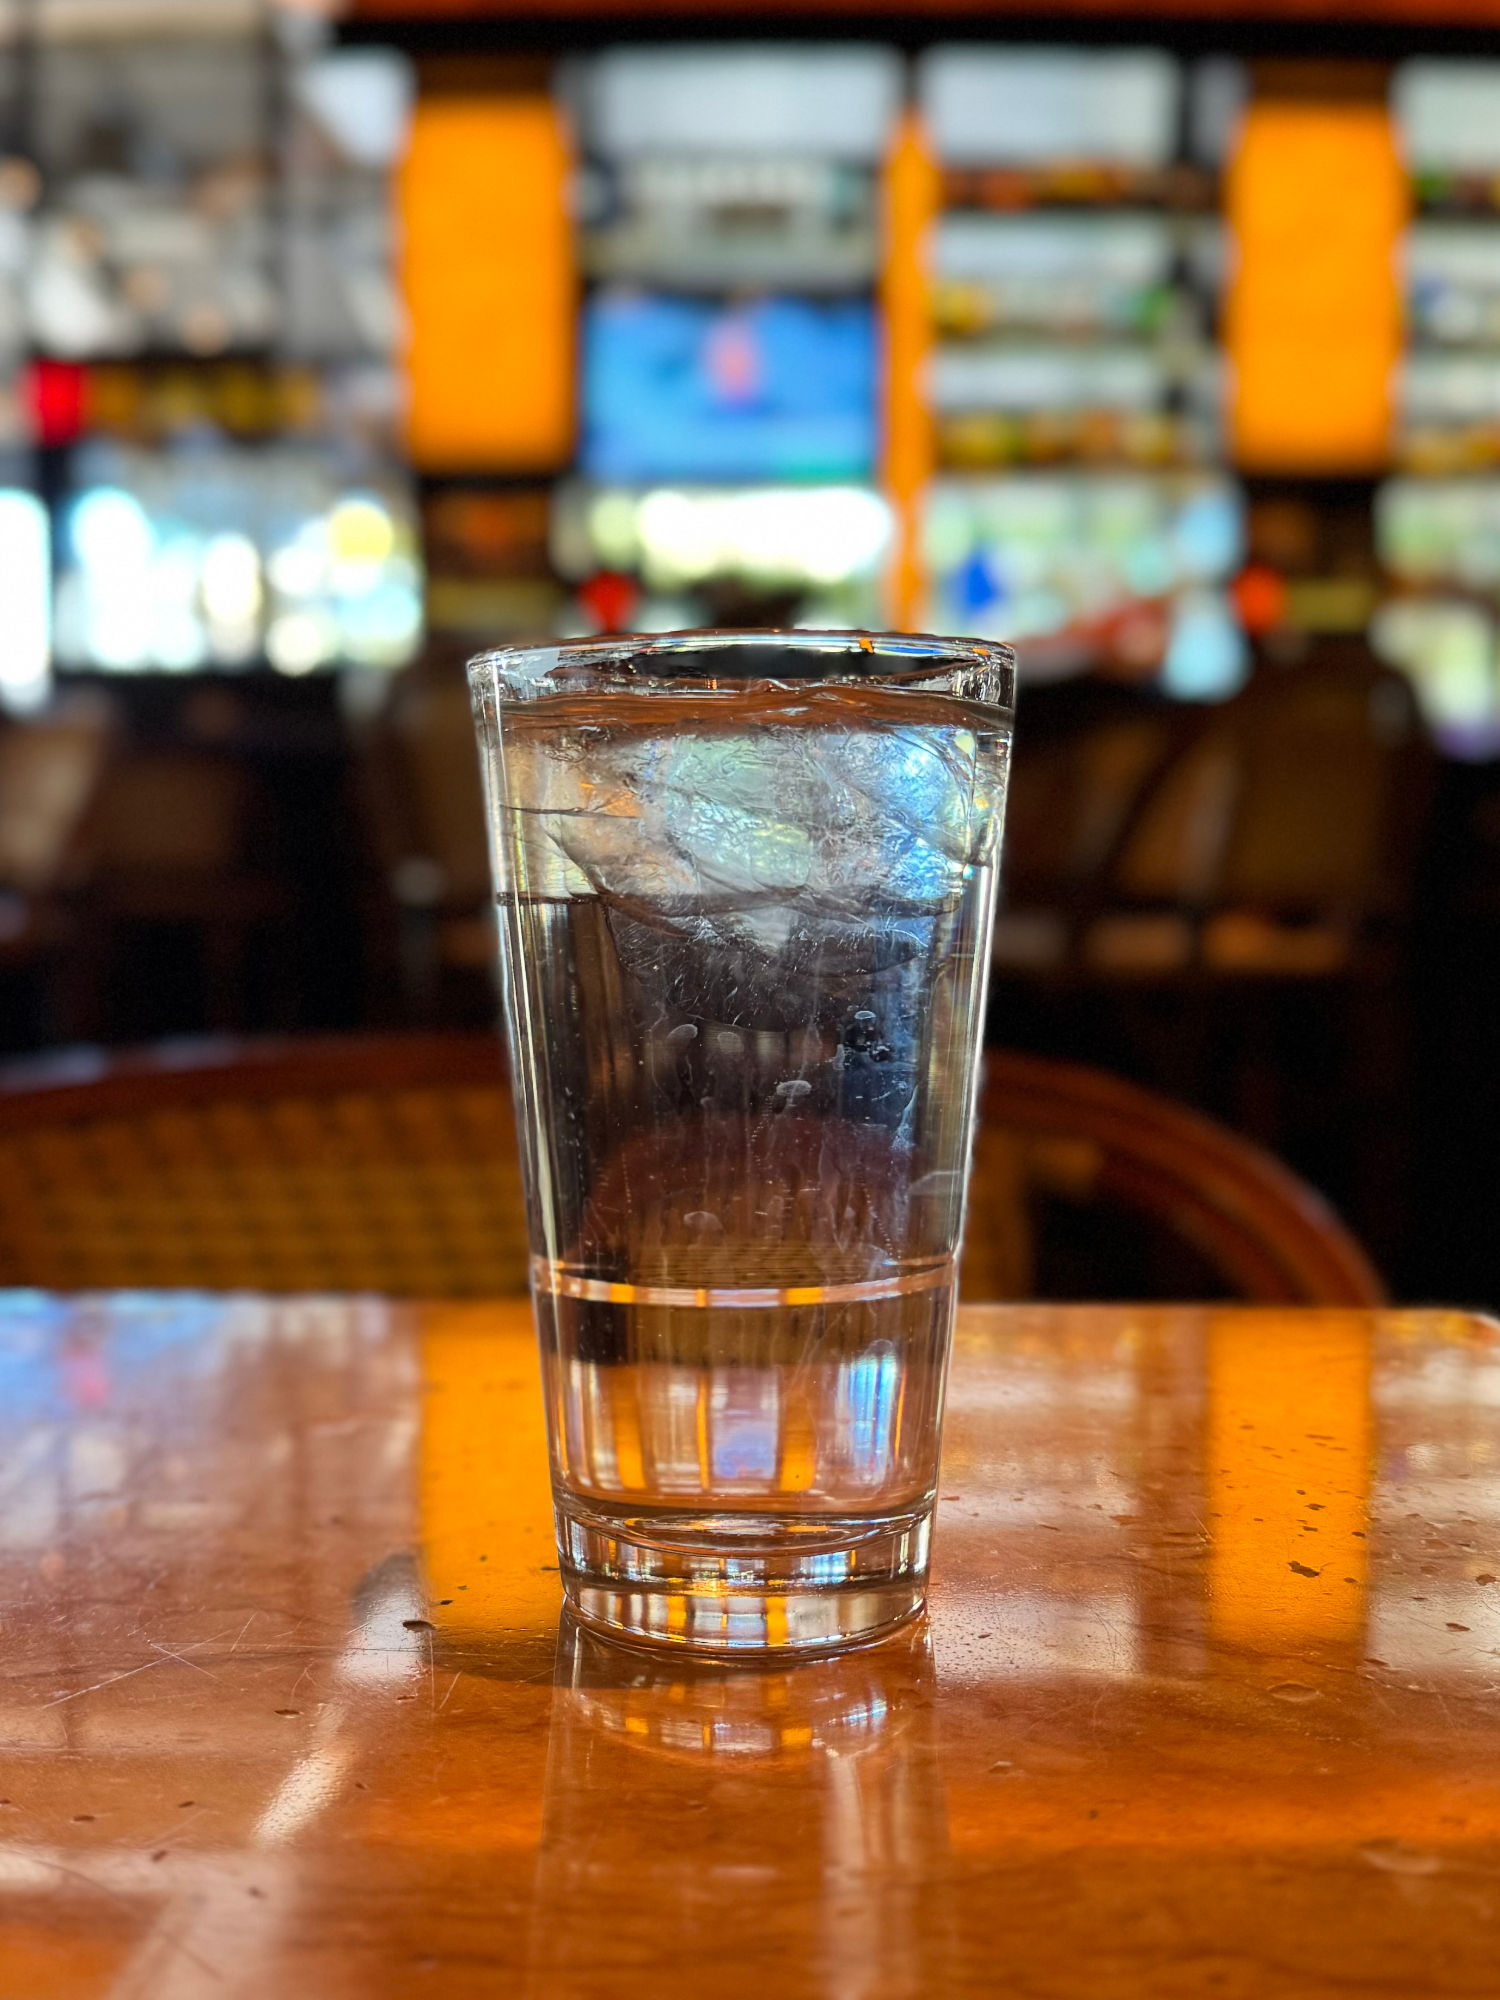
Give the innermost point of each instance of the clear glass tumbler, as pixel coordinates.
(746, 882)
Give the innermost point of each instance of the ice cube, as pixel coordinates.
(722, 820)
(762, 870)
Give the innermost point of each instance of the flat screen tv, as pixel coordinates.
(678, 389)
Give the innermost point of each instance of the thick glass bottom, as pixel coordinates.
(742, 1584)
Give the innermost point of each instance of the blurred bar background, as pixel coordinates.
(338, 342)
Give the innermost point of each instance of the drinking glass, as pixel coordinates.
(746, 882)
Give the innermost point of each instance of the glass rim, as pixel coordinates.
(895, 658)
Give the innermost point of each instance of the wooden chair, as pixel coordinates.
(50, 771)
(1071, 797)
(389, 1164)
(362, 1165)
(1270, 836)
(1179, 1197)
(425, 807)
(1278, 841)
(1241, 939)
(170, 842)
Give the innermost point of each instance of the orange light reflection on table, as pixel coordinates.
(488, 1541)
(1288, 1443)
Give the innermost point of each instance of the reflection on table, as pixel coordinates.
(1204, 1702)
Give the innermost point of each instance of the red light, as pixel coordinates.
(1259, 595)
(609, 599)
(56, 392)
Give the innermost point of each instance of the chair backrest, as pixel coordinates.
(369, 1164)
(49, 772)
(390, 1164)
(1070, 798)
(168, 812)
(1299, 796)
(424, 789)
(1058, 1132)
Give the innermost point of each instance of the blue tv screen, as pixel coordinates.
(680, 389)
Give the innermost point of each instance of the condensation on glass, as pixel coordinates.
(747, 884)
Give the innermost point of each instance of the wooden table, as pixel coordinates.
(1208, 1703)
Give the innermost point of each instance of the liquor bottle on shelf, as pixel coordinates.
(1079, 504)
(208, 336)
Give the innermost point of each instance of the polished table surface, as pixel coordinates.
(1208, 1702)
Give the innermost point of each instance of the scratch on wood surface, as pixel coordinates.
(77, 1694)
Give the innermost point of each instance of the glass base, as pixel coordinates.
(742, 1584)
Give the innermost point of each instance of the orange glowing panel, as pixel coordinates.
(1316, 201)
(912, 199)
(487, 265)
